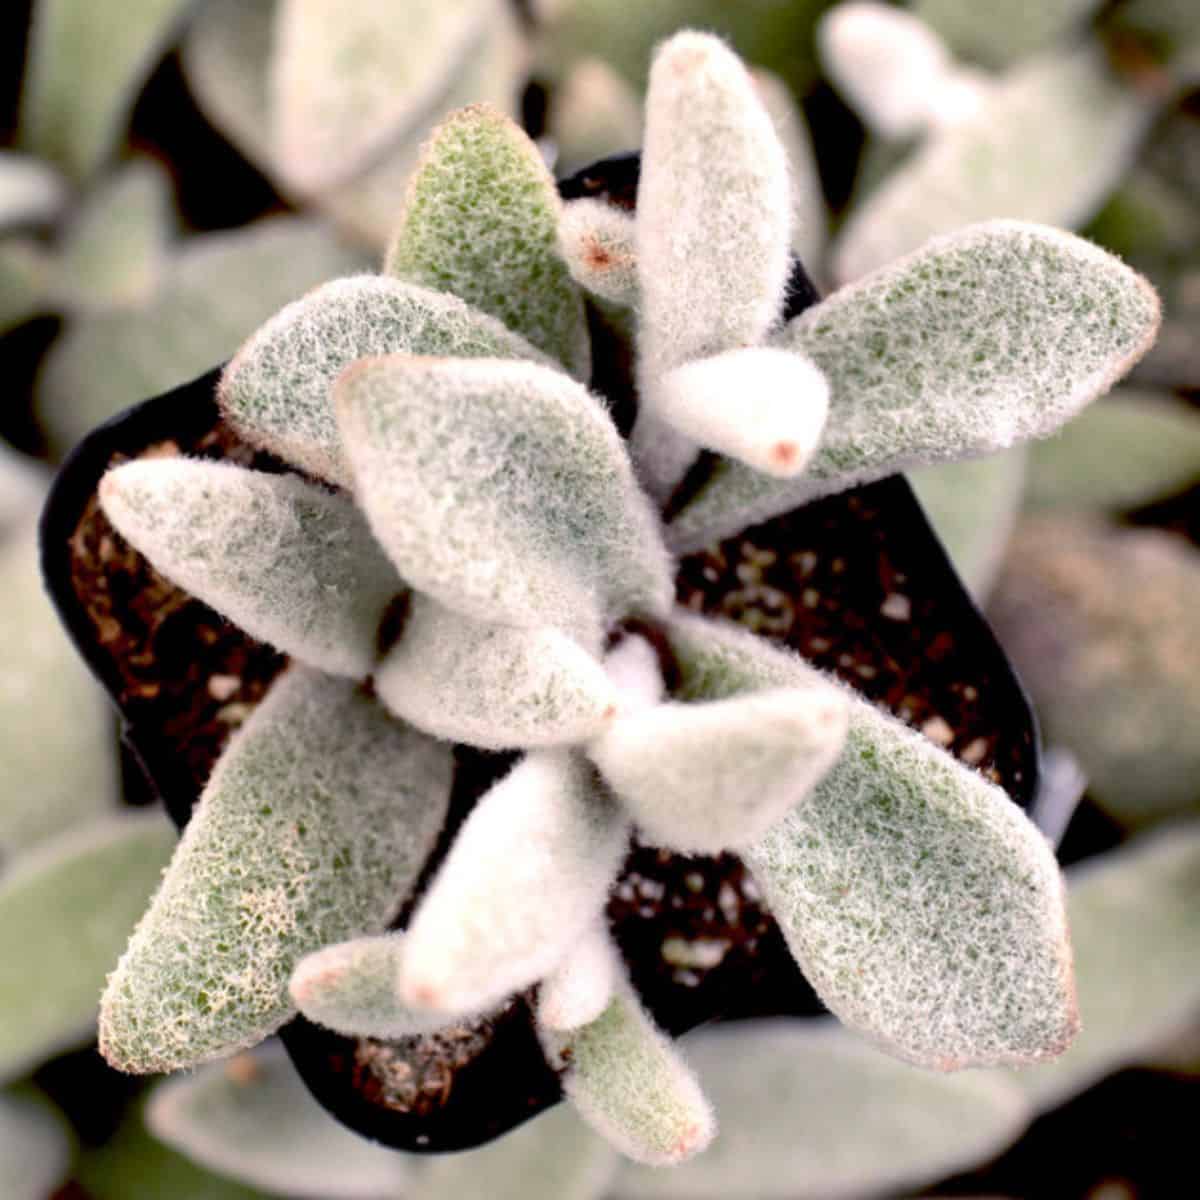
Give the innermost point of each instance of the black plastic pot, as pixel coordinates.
(158, 651)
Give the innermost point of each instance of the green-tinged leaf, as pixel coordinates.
(485, 928)
(704, 778)
(277, 392)
(213, 293)
(87, 62)
(58, 753)
(981, 340)
(553, 1157)
(35, 1147)
(709, 280)
(253, 1119)
(480, 221)
(502, 489)
(1126, 451)
(492, 685)
(582, 986)
(26, 271)
(809, 220)
(31, 192)
(347, 79)
(113, 251)
(924, 907)
(1135, 927)
(597, 242)
(973, 508)
(1104, 627)
(997, 35)
(631, 1085)
(593, 114)
(22, 486)
(66, 910)
(289, 562)
(313, 827)
(808, 1112)
(351, 987)
(1088, 124)
(133, 1165)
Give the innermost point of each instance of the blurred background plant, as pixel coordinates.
(173, 172)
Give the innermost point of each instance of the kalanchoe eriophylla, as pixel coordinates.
(451, 467)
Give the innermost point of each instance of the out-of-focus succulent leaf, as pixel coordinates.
(502, 489)
(87, 62)
(553, 1157)
(1125, 451)
(114, 249)
(982, 339)
(997, 35)
(31, 192)
(593, 114)
(1104, 628)
(1088, 125)
(1135, 928)
(26, 272)
(289, 562)
(313, 828)
(66, 910)
(212, 295)
(973, 506)
(480, 220)
(1168, 29)
(35, 1147)
(254, 1120)
(22, 485)
(58, 757)
(920, 901)
(348, 78)
(808, 1112)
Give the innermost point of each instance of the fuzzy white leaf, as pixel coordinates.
(808, 1112)
(581, 987)
(1088, 124)
(348, 78)
(254, 1119)
(87, 62)
(480, 220)
(593, 114)
(982, 339)
(597, 242)
(502, 489)
(23, 483)
(634, 668)
(764, 407)
(66, 909)
(350, 987)
(705, 778)
(277, 392)
(290, 563)
(313, 827)
(492, 685)
(553, 1157)
(709, 279)
(35, 1147)
(485, 929)
(924, 907)
(31, 192)
(632, 1085)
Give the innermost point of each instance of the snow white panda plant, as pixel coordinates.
(450, 463)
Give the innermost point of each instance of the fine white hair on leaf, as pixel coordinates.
(289, 562)
(633, 667)
(527, 875)
(597, 241)
(502, 489)
(924, 906)
(350, 987)
(762, 406)
(480, 220)
(277, 391)
(493, 686)
(581, 987)
(313, 828)
(709, 280)
(705, 778)
(984, 338)
(632, 1085)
